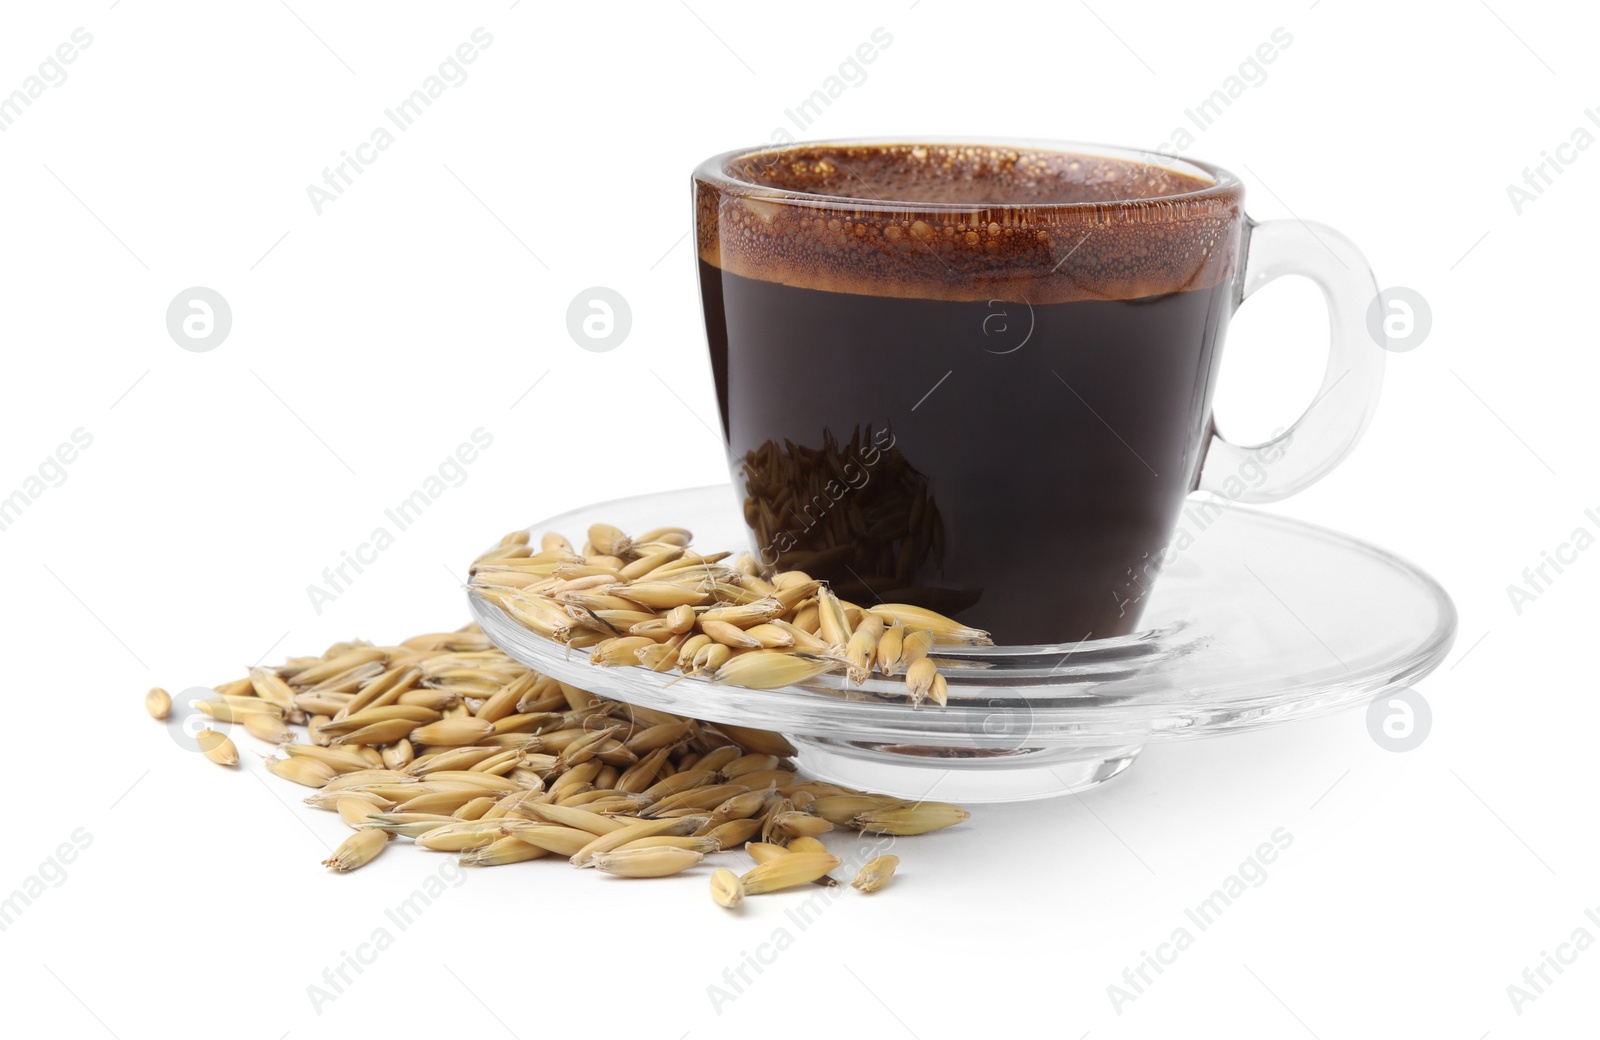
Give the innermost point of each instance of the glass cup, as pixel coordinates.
(977, 376)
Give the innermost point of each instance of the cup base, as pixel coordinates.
(960, 774)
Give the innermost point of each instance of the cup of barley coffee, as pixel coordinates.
(977, 376)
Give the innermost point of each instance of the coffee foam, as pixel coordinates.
(967, 222)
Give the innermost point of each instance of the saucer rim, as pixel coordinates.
(1259, 702)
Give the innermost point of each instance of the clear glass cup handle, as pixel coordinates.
(1338, 416)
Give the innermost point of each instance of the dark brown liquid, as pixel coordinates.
(1018, 466)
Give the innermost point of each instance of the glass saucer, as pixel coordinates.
(1258, 620)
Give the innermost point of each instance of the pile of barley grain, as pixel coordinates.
(445, 740)
(652, 602)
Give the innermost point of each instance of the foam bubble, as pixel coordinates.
(968, 222)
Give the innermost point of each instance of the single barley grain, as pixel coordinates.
(787, 871)
(769, 669)
(919, 680)
(356, 812)
(604, 843)
(889, 646)
(875, 874)
(462, 836)
(764, 852)
(158, 703)
(726, 888)
(452, 732)
(906, 818)
(647, 863)
(217, 747)
(357, 850)
(914, 647)
(306, 771)
(269, 728)
(841, 810)
(805, 843)
(502, 851)
(794, 824)
(834, 625)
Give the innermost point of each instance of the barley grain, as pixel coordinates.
(270, 688)
(875, 874)
(764, 851)
(647, 863)
(501, 852)
(787, 871)
(217, 747)
(841, 810)
(834, 625)
(604, 843)
(726, 888)
(914, 647)
(794, 823)
(751, 763)
(462, 836)
(357, 850)
(343, 760)
(158, 703)
(227, 710)
(919, 680)
(516, 766)
(945, 630)
(906, 818)
(887, 656)
(376, 733)
(771, 636)
(398, 755)
(734, 833)
(769, 669)
(270, 728)
(764, 741)
(452, 732)
(305, 771)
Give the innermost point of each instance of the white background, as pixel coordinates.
(369, 341)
